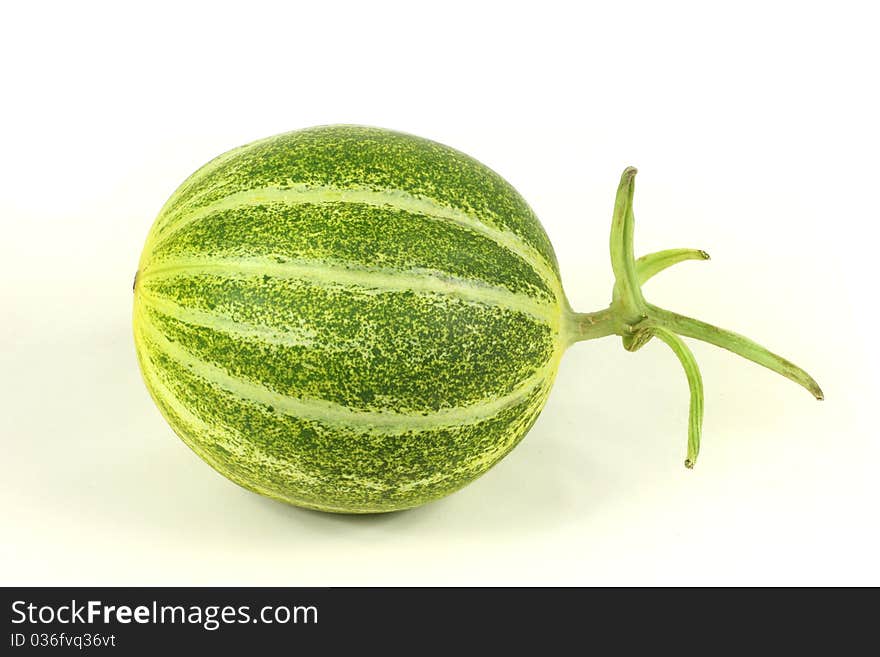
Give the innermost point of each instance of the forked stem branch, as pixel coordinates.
(637, 321)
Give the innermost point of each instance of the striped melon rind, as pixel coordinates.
(349, 319)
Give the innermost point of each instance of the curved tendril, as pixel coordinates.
(652, 264)
(695, 383)
(738, 344)
(622, 260)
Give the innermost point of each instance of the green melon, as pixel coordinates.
(357, 320)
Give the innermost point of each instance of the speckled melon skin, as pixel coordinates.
(347, 318)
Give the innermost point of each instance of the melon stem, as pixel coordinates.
(636, 321)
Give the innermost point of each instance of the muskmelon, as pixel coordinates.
(358, 320)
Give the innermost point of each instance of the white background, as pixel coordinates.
(755, 131)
